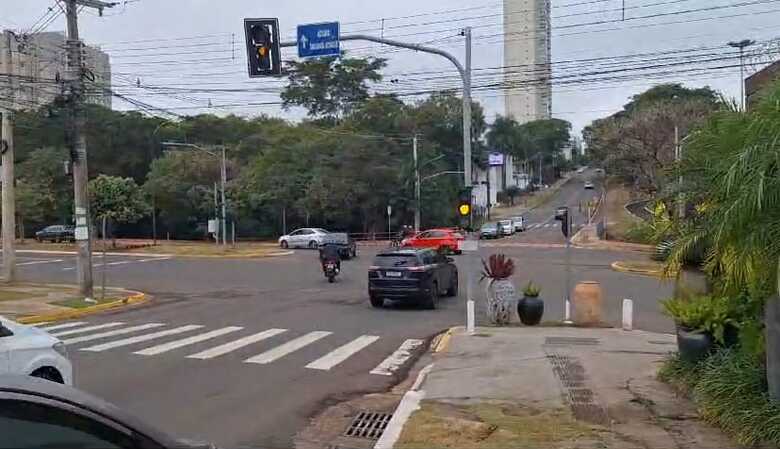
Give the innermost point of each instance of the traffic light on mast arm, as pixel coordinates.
(262, 46)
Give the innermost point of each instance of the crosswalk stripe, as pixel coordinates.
(165, 347)
(342, 353)
(397, 358)
(38, 262)
(87, 329)
(547, 225)
(112, 333)
(236, 344)
(61, 326)
(141, 338)
(291, 346)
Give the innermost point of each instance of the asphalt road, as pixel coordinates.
(277, 343)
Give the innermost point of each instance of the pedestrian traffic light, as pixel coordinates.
(262, 47)
(464, 202)
(562, 215)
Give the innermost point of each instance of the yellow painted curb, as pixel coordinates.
(136, 298)
(618, 266)
(443, 342)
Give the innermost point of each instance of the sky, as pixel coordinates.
(189, 54)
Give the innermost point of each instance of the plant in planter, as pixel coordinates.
(500, 289)
(702, 322)
(531, 307)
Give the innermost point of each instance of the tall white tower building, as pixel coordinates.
(528, 90)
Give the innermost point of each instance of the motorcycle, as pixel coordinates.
(331, 270)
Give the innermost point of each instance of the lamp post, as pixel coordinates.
(223, 176)
(741, 46)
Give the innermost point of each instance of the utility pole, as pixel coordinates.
(417, 204)
(467, 111)
(224, 207)
(7, 148)
(741, 46)
(78, 144)
(678, 158)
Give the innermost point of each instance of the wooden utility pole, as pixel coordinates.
(7, 149)
(77, 143)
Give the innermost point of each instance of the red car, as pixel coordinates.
(445, 239)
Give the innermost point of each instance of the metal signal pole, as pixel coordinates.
(7, 149)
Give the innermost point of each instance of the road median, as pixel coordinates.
(39, 303)
(647, 268)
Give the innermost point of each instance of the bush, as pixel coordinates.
(730, 390)
(703, 314)
(640, 232)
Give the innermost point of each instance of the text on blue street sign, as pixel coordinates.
(318, 39)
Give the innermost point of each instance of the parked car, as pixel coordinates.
(507, 227)
(419, 275)
(313, 238)
(38, 414)
(27, 350)
(490, 231)
(56, 234)
(588, 185)
(442, 239)
(519, 223)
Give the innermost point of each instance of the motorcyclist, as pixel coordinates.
(330, 253)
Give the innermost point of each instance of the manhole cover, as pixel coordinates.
(571, 341)
(368, 425)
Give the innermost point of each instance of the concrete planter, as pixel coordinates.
(693, 345)
(530, 309)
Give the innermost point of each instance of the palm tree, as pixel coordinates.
(732, 174)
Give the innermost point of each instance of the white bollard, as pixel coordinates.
(567, 312)
(628, 314)
(470, 316)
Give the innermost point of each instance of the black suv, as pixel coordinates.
(420, 275)
(56, 233)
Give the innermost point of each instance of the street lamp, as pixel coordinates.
(741, 46)
(223, 178)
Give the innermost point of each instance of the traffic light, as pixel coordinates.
(464, 202)
(562, 215)
(262, 47)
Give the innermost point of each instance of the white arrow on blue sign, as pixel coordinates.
(318, 39)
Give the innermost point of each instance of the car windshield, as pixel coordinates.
(395, 260)
(208, 159)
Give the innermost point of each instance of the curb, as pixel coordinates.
(134, 298)
(618, 266)
(234, 256)
(410, 402)
(444, 341)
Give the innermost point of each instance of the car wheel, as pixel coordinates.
(453, 290)
(48, 373)
(376, 301)
(430, 301)
(56, 240)
(284, 244)
(313, 244)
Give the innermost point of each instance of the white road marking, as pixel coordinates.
(547, 225)
(291, 346)
(122, 262)
(60, 326)
(342, 353)
(40, 262)
(142, 338)
(398, 358)
(87, 329)
(236, 344)
(112, 333)
(154, 350)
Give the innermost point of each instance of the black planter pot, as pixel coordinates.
(530, 310)
(694, 346)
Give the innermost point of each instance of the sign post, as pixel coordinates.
(318, 39)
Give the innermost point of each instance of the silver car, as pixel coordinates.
(507, 226)
(519, 223)
(303, 238)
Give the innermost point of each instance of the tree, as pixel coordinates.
(44, 193)
(330, 87)
(118, 200)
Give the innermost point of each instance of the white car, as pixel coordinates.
(303, 238)
(519, 223)
(507, 227)
(27, 350)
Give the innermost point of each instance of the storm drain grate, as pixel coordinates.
(581, 399)
(368, 425)
(571, 341)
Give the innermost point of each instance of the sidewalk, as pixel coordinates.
(32, 303)
(549, 387)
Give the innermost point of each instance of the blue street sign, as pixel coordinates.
(318, 39)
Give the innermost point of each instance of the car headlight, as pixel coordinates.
(61, 349)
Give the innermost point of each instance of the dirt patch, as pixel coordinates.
(619, 221)
(495, 424)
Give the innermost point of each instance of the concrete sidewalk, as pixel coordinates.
(549, 387)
